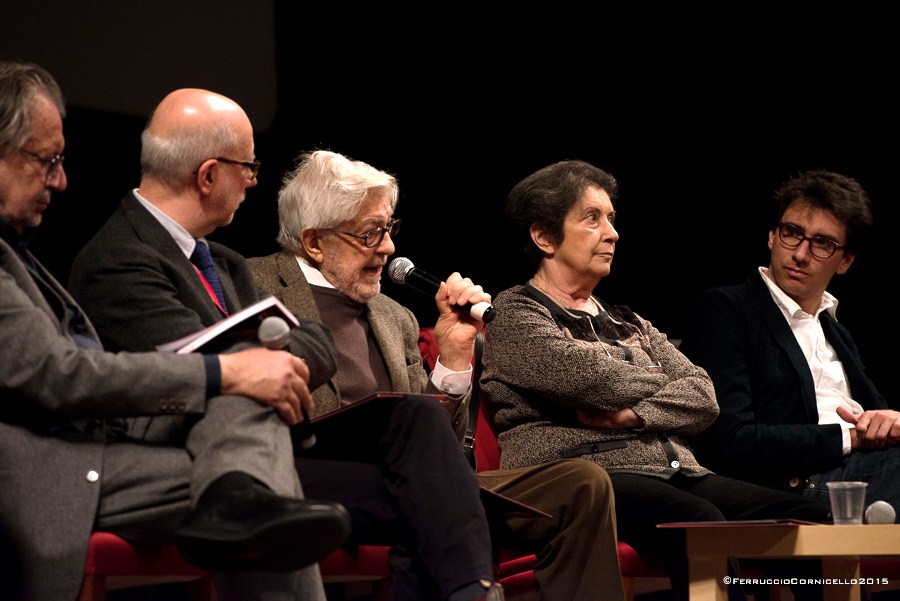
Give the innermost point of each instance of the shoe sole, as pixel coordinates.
(282, 545)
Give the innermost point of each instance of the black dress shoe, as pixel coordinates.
(259, 530)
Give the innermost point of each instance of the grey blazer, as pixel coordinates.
(51, 458)
(280, 275)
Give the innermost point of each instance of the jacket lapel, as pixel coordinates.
(391, 345)
(774, 321)
(297, 297)
(191, 289)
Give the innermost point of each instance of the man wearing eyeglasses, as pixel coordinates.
(797, 409)
(150, 276)
(416, 492)
(69, 465)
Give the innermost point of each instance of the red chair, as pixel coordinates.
(515, 570)
(366, 564)
(113, 563)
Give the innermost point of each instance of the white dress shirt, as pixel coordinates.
(826, 368)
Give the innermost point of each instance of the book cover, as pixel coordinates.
(240, 326)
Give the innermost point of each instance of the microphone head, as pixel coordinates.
(398, 269)
(880, 512)
(274, 332)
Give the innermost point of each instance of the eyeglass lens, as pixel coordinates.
(820, 247)
(374, 236)
(51, 165)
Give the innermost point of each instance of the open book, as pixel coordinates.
(237, 327)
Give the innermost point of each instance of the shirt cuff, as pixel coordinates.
(451, 382)
(845, 437)
(213, 375)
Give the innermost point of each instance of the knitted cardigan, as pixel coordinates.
(542, 362)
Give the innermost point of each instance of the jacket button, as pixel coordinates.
(92, 476)
(675, 464)
(795, 482)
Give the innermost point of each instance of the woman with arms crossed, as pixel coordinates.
(570, 375)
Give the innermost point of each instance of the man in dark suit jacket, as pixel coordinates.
(140, 258)
(66, 465)
(136, 278)
(797, 409)
(337, 230)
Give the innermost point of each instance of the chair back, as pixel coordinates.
(487, 449)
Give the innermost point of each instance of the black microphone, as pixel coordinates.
(402, 271)
(275, 333)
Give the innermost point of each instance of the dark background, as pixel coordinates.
(699, 113)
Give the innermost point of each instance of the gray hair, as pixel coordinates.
(172, 160)
(324, 189)
(20, 84)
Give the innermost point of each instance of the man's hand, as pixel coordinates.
(874, 429)
(455, 329)
(623, 419)
(276, 379)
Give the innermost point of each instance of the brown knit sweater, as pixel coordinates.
(542, 362)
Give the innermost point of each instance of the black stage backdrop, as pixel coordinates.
(699, 115)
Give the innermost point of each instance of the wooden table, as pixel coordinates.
(840, 548)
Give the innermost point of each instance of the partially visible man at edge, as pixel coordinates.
(797, 409)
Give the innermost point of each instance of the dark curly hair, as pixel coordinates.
(840, 195)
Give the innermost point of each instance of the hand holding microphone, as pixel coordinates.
(275, 333)
(402, 271)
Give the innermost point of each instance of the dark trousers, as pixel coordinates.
(642, 502)
(398, 468)
(877, 467)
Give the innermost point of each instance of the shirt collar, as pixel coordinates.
(789, 306)
(313, 276)
(182, 237)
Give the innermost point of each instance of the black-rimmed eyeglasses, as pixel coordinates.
(374, 236)
(792, 237)
(51, 165)
(253, 165)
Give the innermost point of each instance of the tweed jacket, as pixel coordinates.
(51, 458)
(280, 275)
(140, 291)
(542, 363)
(767, 430)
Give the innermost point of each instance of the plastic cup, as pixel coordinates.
(847, 501)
